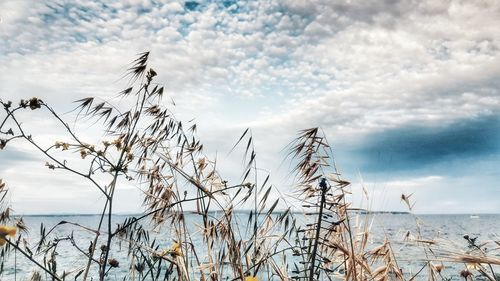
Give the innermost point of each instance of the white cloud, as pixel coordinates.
(352, 68)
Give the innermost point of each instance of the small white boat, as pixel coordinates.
(474, 216)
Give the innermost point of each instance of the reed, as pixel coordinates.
(146, 145)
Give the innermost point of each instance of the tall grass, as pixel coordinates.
(146, 145)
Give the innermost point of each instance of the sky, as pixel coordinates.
(407, 92)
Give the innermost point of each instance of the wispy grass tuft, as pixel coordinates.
(325, 238)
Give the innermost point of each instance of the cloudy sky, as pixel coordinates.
(408, 92)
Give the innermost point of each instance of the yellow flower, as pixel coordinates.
(175, 250)
(473, 265)
(251, 278)
(6, 231)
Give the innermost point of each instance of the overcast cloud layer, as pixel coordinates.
(407, 91)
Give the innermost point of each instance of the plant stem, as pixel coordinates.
(323, 187)
(54, 276)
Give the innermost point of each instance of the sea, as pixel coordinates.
(397, 228)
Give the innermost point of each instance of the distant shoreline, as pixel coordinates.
(247, 211)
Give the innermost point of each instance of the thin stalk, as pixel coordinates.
(94, 244)
(53, 275)
(323, 187)
(112, 186)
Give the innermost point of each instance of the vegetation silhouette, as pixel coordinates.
(147, 146)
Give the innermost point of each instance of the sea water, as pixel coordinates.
(396, 227)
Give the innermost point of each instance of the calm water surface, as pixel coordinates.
(394, 226)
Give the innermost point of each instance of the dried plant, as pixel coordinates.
(146, 145)
(190, 203)
(329, 245)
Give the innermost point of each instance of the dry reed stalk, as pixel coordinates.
(164, 158)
